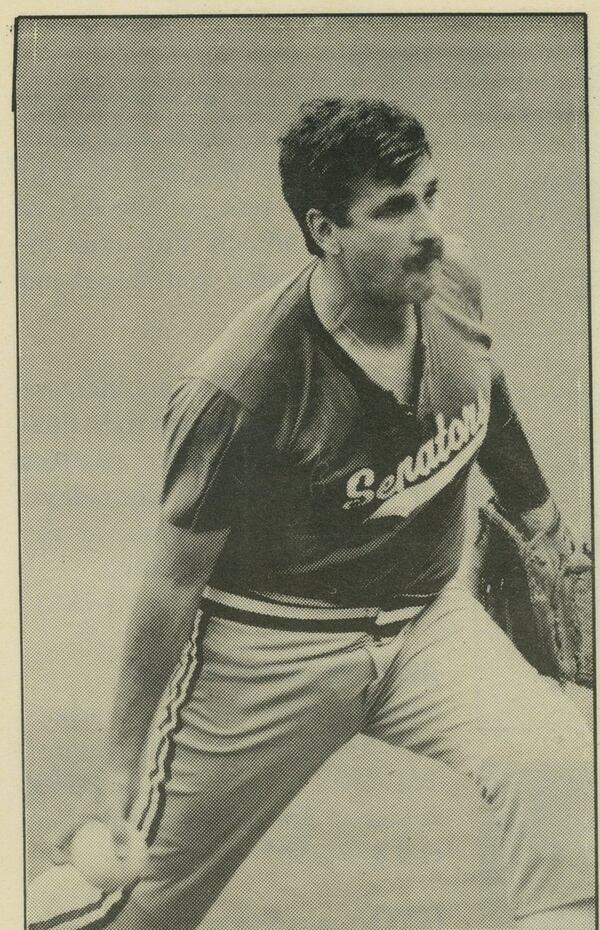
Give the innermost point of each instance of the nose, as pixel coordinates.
(426, 228)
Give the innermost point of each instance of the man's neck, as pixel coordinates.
(340, 310)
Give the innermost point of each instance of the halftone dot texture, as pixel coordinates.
(230, 765)
(150, 212)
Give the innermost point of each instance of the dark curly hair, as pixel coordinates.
(334, 143)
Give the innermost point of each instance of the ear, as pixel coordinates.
(324, 231)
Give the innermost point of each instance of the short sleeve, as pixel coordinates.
(205, 433)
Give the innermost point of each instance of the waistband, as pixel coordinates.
(290, 616)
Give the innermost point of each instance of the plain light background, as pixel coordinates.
(149, 212)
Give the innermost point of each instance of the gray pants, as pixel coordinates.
(253, 712)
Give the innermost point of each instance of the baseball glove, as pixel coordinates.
(539, 590)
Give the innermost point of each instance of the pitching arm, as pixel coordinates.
(161, 622)
(206, 434)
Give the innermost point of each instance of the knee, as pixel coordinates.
(545, 803)
(555, 774)
(548, 791)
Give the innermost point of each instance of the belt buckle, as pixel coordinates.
(382, 630)
(381, 624)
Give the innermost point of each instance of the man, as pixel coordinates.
(312, 527)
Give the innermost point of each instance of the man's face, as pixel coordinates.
(392, 244)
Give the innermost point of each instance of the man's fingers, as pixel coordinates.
(59, 855)
(121, 836)
(59, 842)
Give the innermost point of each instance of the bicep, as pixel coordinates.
(203, 433)
(206, 447)
(184, 557)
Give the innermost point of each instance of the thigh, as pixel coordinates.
(267, 709)
(248, 717)
(460, 691)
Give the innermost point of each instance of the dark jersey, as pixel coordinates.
(332, 490)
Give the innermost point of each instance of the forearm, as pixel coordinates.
(161, 622)
(506, 458)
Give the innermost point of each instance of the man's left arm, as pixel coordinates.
(555, 628)
(508, 463)
(505, 458)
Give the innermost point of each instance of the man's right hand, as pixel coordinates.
(108, 802)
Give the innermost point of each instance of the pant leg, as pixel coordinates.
(263, 710)
(457, 690)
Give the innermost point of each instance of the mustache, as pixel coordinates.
(434, 251)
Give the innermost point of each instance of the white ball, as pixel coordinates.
(103, 863)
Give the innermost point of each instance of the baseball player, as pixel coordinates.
(303, 586)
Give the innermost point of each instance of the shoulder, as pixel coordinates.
(199, 415)
(460, 279)
(250, 356)
(457, 297)
(194, 399)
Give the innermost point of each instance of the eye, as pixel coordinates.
(395, 206)
(397, 209)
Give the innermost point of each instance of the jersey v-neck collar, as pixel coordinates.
(366, 388)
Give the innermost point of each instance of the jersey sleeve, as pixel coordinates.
(506, 458)
(205, 437)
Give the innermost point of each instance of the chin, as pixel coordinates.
(418, 294)
(404, 288)
(417, 290)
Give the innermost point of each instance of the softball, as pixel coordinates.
(104, 863)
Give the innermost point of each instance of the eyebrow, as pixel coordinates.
(401, 201)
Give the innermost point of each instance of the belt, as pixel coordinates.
(289, 616)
